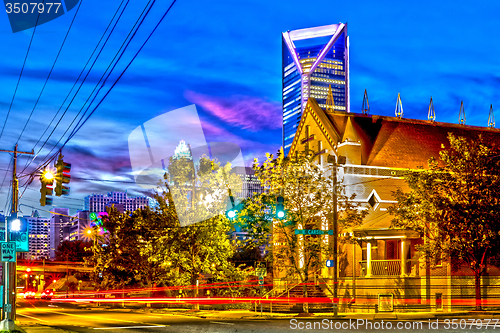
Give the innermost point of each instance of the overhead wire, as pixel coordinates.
(123, 72)
(20, 74)
(76, 129)
(50, 72)
(124, 46)
(76, 81)
(47, 161)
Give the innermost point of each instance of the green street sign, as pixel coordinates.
(313, 232)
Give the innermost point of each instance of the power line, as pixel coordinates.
(123, 72)
(126, 44)
(50, 72)
(76, 81)
(20, 75)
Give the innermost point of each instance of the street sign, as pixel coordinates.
(261, 271)
(330, 263)
(261, 280)
(8, 251)
(20, 238)
(313, 232)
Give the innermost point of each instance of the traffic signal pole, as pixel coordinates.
(9, 268)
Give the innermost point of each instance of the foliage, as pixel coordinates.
(455, 205)
(308, 192)
(152, 247)
(73, 251)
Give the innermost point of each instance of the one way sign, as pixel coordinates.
(8, 251)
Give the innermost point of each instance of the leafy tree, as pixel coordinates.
(455, 205)
(73, 251)
(308, 195)
(184, 240)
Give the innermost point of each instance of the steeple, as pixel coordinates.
(365, 108)
(431, 115)
(491, 117)
(399, 107)
(330, 103)
(461, 115)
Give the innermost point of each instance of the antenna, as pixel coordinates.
(461, 115)
(365, 108)
(431, 115)
(491, 117)
(399, 107)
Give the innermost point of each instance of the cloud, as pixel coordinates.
(250, 113)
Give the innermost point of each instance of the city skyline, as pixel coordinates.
(226, 59)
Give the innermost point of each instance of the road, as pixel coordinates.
(34, 314)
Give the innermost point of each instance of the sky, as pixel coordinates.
(225, 58)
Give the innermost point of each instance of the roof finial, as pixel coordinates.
(461, 115)
(365, 108)
(330, 103)
(399, 107)
(491, 117)
(431, 115)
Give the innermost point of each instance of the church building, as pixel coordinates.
(382, 270)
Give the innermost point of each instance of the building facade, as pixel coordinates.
(383, 262)
(59, 229)
(250, 183)
(98, 202)
(39, 237)
(314, 60)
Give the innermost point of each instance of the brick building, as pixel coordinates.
(384, 262)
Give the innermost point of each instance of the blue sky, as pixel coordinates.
(225, 57)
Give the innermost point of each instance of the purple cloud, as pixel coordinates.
(251, 113)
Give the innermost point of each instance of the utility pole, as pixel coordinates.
(332, 159)
(9, 268)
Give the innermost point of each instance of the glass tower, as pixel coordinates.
(313, 59)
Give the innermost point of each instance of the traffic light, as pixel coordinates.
(47, 181)
(231, 212)
(280, 207)
(62, 176)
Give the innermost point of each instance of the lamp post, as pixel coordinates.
(335, 162)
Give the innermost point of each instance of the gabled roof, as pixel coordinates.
(404, 143)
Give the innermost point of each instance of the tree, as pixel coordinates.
(308, 196)
(184, 240)
(455, 205)
(73, 251)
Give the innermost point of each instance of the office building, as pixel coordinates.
(313, 60)
(98, 202)
(250, 183)
(39, 236)
(58, 229)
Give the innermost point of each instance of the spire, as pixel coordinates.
(330, 103)
(365, 108)
(491, 117)
(399, 107)
(461, 115)
(431, 115)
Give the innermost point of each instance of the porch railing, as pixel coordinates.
(382, 267)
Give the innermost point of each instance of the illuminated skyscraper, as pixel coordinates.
(313, 59)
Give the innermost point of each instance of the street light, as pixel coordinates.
(335, 162)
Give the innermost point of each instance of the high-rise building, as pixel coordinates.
(250, 183)
(98, 202)
(59, 229)
(313, 60)
(39, 236)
